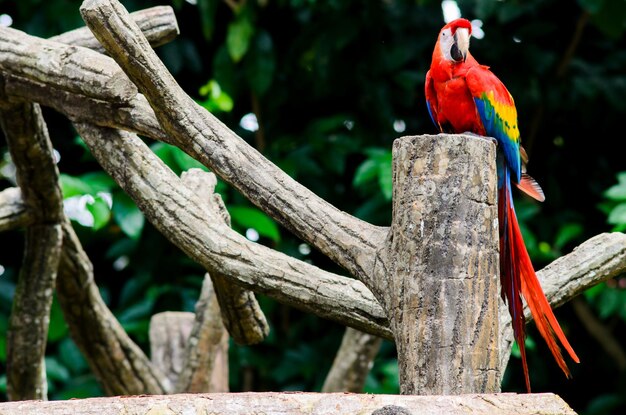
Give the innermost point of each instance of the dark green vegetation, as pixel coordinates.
(332, 84)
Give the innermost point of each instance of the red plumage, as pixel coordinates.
(464, 96)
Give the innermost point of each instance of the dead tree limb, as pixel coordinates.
(241, 313)
(205, 366)
(158, 24)
(353, 362)
(347, 240)
(66, 72)
(188, 223)
(37, 176)
(20, 55)
(118, 363)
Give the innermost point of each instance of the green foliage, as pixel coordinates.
(216, 99)
(127, 215)
(384, 377)
(376, 168)
(244, 217)
(616, 203)
(238, 38)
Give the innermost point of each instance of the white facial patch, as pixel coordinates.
(446, 40)
(460, 41)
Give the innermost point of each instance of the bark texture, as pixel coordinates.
(180, 214)
(299, 404)
(21, 55)
(169, 335)
(192, 348)
(437, 278)
(240, 311)
(347, 240)
(37, 176)
(353, 362)
(158, 24)
(13, 213)
(118, 363)
(206, 356)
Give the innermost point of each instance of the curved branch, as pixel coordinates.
(118, 363)
(240, 310)
(187, 222)
(56, 86)
(347, 240)
(158, 24)
(22, 55)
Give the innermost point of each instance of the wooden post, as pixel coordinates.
(440, 275)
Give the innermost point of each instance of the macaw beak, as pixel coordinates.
(460, 47)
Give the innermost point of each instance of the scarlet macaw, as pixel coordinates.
(464, 96)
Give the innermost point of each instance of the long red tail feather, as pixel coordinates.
(518, 278)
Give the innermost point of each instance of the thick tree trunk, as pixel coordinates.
(438, 281)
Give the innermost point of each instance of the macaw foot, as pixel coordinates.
(482, 137)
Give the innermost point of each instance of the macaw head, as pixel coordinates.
(454, 40)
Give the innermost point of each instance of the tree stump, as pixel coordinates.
(438, 280)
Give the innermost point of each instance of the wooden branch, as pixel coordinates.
(158, 24)
(118, 363)
(437, 278)
(31, 152)
(595, 260)
(37, 176)
(58, 87)
(346, 240)
(23, 56)
(205, 367)
(192, 348)
(169, 335)
(13, 213)
(353, 362)
(299, 403)
(135, 116)
(187, 222)
(240, 310)
(30, 314)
